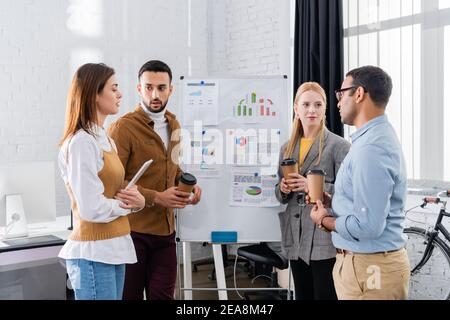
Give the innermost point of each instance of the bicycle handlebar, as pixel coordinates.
(436, 200)
(445, 194)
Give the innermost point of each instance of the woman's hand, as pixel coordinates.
(284, 187)
(297, 183)
(130, 198)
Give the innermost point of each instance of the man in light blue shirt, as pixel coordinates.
(370, 192)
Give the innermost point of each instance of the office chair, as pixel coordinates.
(262, 254)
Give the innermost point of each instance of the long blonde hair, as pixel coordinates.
(297, 128)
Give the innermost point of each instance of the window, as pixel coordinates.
(410, 40)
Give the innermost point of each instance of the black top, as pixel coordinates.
(288, 162)
(188, 179)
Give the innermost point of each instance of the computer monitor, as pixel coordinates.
(35, 182)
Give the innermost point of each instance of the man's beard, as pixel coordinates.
(163, 106)
(350, 117)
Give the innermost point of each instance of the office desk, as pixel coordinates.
(34, 271)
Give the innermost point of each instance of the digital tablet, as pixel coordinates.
(138, 175)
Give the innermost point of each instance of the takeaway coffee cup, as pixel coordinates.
(187, 182)
(316, 182)
(289, 166)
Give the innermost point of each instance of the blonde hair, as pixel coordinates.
(297, 128)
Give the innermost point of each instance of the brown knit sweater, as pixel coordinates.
(111, 176)
(137, 143)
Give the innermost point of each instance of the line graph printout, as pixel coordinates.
(201, 102)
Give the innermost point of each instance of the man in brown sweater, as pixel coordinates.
(142, 135)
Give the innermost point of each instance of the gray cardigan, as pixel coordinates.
(300, 237)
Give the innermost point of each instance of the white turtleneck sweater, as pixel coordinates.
(161, 126)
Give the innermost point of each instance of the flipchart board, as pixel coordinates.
(233, 131)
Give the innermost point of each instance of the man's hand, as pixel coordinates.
(197, 195)
(322, 218)
(318, 212)
(326, 200)
(172, 198)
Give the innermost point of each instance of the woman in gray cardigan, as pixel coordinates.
(309, 249)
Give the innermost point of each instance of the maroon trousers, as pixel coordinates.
(156, 269)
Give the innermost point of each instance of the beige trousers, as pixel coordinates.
(379, 276)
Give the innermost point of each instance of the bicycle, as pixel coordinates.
(429, 256)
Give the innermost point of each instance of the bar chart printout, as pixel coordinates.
(254, 108)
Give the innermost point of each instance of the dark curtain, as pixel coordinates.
(319, 53)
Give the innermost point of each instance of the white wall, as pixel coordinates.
(43, 42)
(249, 37)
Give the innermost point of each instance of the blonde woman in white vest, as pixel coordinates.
(309, 249)
(100, 244)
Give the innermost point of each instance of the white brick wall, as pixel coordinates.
(43, 42)
(40, 47)
(251, 38)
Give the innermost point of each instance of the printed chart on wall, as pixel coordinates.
(255, 106)
(252, 188)
(203, 152)
(201, 102)
(253, 147)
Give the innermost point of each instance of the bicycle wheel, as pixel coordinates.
(432, 280)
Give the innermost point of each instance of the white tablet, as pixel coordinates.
(138, 175)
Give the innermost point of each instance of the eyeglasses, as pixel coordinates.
(340, 92)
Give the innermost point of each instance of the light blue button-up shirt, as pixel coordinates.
(370, 191)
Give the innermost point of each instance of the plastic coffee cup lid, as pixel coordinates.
(317, 172)
(188, 179)
(288, 162)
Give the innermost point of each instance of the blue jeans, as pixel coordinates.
(95, 280)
